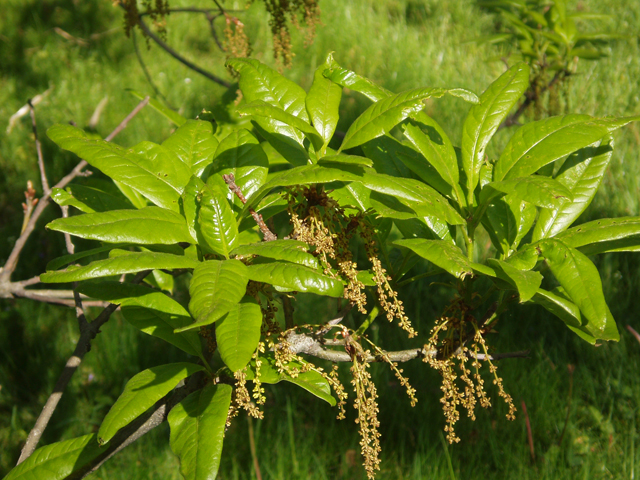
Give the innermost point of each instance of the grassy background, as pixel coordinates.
(400, 44)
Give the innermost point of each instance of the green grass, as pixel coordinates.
(400, 44)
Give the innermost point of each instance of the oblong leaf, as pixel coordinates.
(441, 253)
(347, 78)
(293, 251)
(215, 288)
(385, 114)
(133, 262)
(141, 393)
(580, 278)
(171, 115)
(484, 119)
(89, 199)
(323, 102)
(197, 431)
(56, 263)
(146, 226)
(150, 311)
(538, 190)
(526, 282)
(238, 333)
(125, 166)
(58, 460)
(605, 235)
(312, 381)
(537, 144)
(165, 162)
(292, 277)
(582, 174)
(259, 82)
(217, 223)
(194, 144)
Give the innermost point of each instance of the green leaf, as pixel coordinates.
(194, 144)
(259, 108)
(241, 155)
(441, 253)
(484, 119)
(347, 78)
(526, 282)
(133, 262)
(312, 381)
(292, 277)
(582, 174)
(353, 195)
(537, 144)
(56, 263)
(429, 228)
(385, 114)
(216, 221)
(536, 189)
(171, 115)
(238, 333)
(58, 460)
(289, 147)
(150, 311)
(343, 158)
(165, 162)
(125, 166)
(388, 156)
(141, 393)
(292, 251)
(323, 102)
(605, 235)
(215, 288)
(437, 149)
(580, 278)
(88, 199)
(146, 226)
(197, 431)
(259, 82)
(508, 220)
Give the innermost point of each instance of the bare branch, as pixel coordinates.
(43, 176)
(12, 261)
(88, 332)
(268, 235)
(633, 332)
(180, 58)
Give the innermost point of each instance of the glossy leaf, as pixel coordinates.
(238, 333)
(342, 158)
(441, 253)
(260, 108)
(292, 251)
(241, 155)
(190, 206)
(165, 162)
(311, 380)
(56, 263)
(125, 166)
(58, 460)
(259, 82)
(292, 277)
(150, 311)
(89, 199)
(484, 119)
(385, 114)
(149, 225)
(141, 393)
(437, 149)
(429, 228)
(582, 174)
(194, 144)
(216, 220)
(353, 195)
(536, 189)
(197, 431)
(347, 78)
(508, 220)
(133, 262)
(580, 278)
(215, 288)
(526, 282)
(537, 144)
(388, 156)
(323, 102)
(605, 235)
